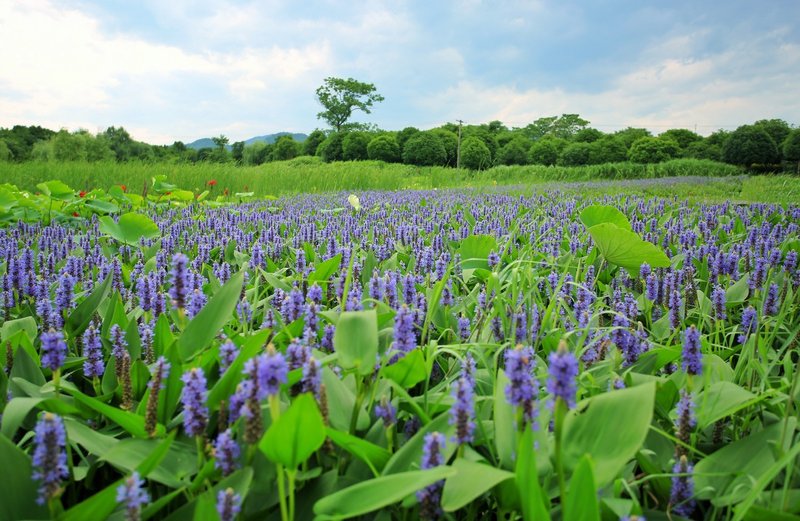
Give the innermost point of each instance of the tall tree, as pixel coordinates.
(342, 97)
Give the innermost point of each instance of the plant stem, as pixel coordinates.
(560, 411)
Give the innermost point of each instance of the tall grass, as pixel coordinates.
(308, 174)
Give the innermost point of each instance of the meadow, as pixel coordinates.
(581, 351)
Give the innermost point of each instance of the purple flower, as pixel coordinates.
(312, 376)
(405, 338)
(462, 411)
(493, 259)
(682, 488)
(771, 303)
(49, 456)
(521, 391)
(133, 496)
(226, 452)
(749, 323)
(179, 280)
(718, 301)
(675, 304)
(652, 287)
(691, 356)
(197, 300)
(54, 350)
(229, 504)
(273, 372)
(464, 330)
(386, 411)
(432, 456)
(562, 373)
(227, 354)
(327, 337)
(93, 352)
(119, 346)
(193, 399)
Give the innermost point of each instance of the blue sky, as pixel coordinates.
(181, 69)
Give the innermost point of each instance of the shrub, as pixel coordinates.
(653, 150)
(331, 149)
(424, 149)
(515, 152)
(543, 152)
(750, 145)
(312, 142)
(450, 142)
(475, 155)
(575, 154)
(285, 148)
(791, 148)
(384, 148)
(354, 146)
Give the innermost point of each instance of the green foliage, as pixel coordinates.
(543, 152)
(354, 146)
(5, 152)
(791, 147)
(475, 155)
(564, 126)
(630, 135)
(515, 152)
(450, 142)
(575, 154)
(257, 153)
(653, 150)
(331, 149)
(384, 147)
(777, 129)
(406, 134)
(750, 145)
(608, 149)
(683, 137)
(312, 142)
(626, 249)
(285, 148)
(424, 149)
(587, 135)
(341, 97)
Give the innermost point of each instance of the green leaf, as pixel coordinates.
(719, 400)
(205, 325)
(297, 434)
(226, 385)
(56, 189)
(581, 503)
(129, 421)
(474, 251)
(101, 206)
(410, 454)
(79, 319)
(356, 340)
(598, 214)
(373, 455)
(504, 422)
(737, 293)
(470, 481)
(409, 370)
(377, 493)
(325, 269)
(587, 430)
(535, 505)
(11, 327)
(131, 228)
(626, 249)
(18, 493)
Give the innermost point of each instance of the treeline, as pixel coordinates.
(566, 140)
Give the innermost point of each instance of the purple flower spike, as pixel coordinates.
(229, 504)
(226, 453)
(93, 351)
(430, 496)
(521, 391)
(462, 411)
(49, 456)
(179, 280)
(749, 323)
(562, 374)
(54, 350)
(193, 399)
(133, 496)
(682, 488)
(692, 358)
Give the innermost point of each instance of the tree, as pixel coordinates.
(543, 152)
(703, 149)
(237, 151)
(587, 135)
(450, 142)
(515, 152)
(791, 148)
(778, 129)
(653, 150)
(475, 155)
(575, 154)
(5, 152)
(424, 149)
(750, 145)
(630, 135)
(341, 97)
(257, 153)
(404, 135)
(354, 146)
(384, 148)
(564, 126)
(120, 142)
(608, 149)
(285, 148)
(312, 142)
(331, 149)
(681, 136)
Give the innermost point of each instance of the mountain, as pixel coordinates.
(207, 142)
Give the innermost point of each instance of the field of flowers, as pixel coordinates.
(397, 355)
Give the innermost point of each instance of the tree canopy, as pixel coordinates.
(341, 97)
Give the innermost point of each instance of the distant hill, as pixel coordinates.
(207, 142)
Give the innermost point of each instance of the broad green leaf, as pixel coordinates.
(587, 430)
(11, 327)
(410, 454)
(129, 421)
(375, 456)
(470, 481)
(341, 401)
(504, 422)
(737, 293)
(19, 492)
(131, 228)
(474, 251)
(598, 214)
(535, 504)
(206, 325)
(377, 493)
(719, 400)
(101, 206)
(581, 503)
(409, 370)
(56, 189)
(297, 434)
(79, 319)
(325, 269)
(626, 249)
(356, 340)
(19, 407)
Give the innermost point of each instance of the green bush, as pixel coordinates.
(354, 146)
(424, 149)
(285, 148)
(750, 145)
(312, 142)
(543, 152)
(475, 155)
(384, 148)
(331, 149)
(515, 152)
(653, 150)
(791, 148)
(575, 154)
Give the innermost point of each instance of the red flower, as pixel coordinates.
(124, 188)
(226, 192)
(168, 193)
(75, 214)
(82, 193)
(213, 182)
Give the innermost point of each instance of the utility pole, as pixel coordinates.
(458, 148)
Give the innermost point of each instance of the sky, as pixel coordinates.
(185, 69)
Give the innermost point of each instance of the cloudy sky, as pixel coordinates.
(180, 69)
